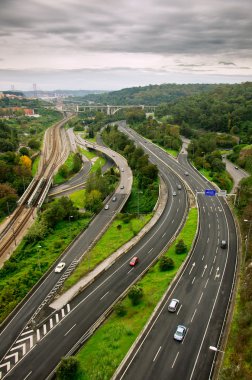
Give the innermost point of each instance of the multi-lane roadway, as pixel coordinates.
(203, 288)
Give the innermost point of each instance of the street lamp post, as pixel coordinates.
(247, 239)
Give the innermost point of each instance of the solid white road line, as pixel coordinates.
(157, 353)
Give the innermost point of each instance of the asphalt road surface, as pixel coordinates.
(203, 289)
(59, 335)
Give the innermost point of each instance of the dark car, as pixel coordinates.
(134, 261)
(223, 244)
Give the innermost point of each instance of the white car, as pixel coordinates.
(173, 305)
(106, 207)
(60, 267)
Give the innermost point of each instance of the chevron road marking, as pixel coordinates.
(23, 346)
(62, 313)
(68, 307)
(57, 318)
(7, 365)
(44, 329)
(10, 356)
(38, 335)
(27, 332)
(23, 339)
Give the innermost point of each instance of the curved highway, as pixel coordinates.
(73, 324)
(203, 288)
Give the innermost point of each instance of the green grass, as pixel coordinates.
(35, 165)
(109, 243)
(99, 163)
(78, 198)
(172, 152)
(69, 163)
(114, 338)
(28, 263)
(88, 153)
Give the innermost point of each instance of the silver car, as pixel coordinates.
(180, 333)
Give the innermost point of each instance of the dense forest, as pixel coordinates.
(150, 95)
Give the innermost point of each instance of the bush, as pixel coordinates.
(180, 247)
(68, 368)
(166, 263)
(135, 294)
(120, 310)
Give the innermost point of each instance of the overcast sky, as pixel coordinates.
(112, 44)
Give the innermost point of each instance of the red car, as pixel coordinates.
(134, 261)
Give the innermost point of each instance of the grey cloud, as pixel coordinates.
(227, 63)
(149, 27)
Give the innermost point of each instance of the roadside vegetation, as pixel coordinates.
(118, 333)
(40, 248)
(123, 229)
(20, 139)
(238, 360)
(70, 167)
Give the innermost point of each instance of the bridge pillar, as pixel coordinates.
(77, 108)
(108, 110)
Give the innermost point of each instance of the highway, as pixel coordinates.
(84, 311)
(204, 289)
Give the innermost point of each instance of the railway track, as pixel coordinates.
(52, 157)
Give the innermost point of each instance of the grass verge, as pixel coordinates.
(120, 231)
(35, 165)
(114, 338)
(99, 163)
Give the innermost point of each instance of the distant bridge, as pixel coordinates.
(111, 110)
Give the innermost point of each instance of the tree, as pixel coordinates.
(26, 161)
(135, 294)
(33, 144)
(180, 247)
(166, 263)
(24, 151)
(94, 200)
(68, 368)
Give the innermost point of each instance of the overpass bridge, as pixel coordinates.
(109, 109)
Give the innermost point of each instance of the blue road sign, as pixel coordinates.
(210, 192)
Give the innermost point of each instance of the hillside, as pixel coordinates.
(152, 94)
